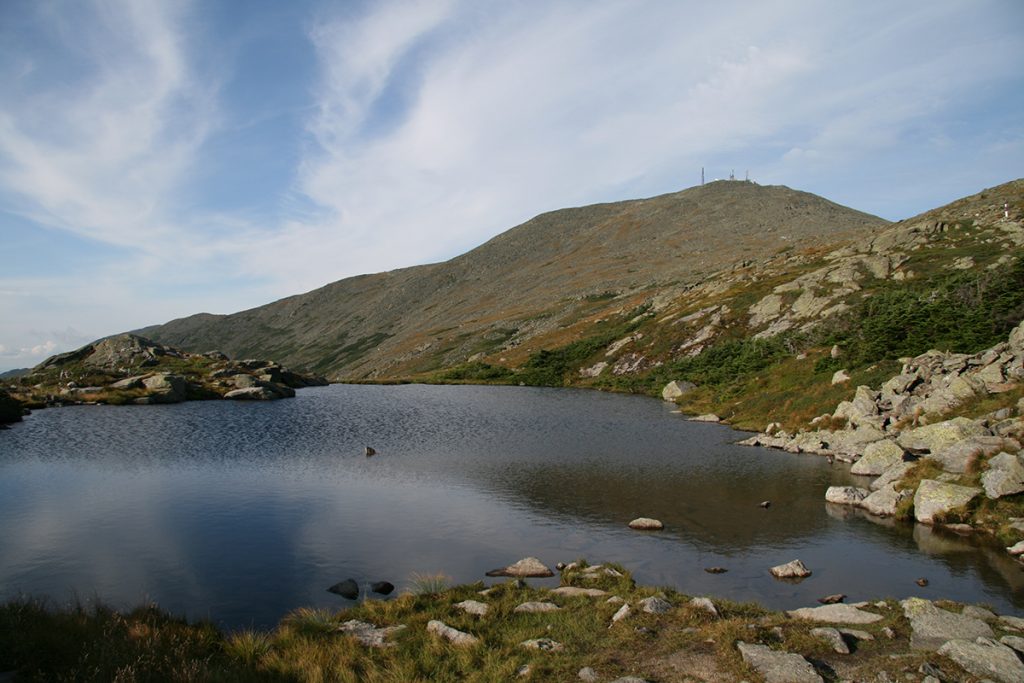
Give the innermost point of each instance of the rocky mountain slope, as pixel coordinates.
(529, 287)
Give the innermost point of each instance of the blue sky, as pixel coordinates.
(159, 159)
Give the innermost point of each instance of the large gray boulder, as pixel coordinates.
(932, 626)
(845, 495)
(878, 457)
(166, 388)
(776, 666)
(885, 501)
(985, 658)
(892, 475)
(933, 438)
(958, 457)
(1004, 477)
(934, 498)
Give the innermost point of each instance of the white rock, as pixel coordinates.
(845, 495)
(544, 644)
(790, 570)
(646, 524)
(835, 614)
(455, 636)
(878, 457)
(530, 607)
(473, 607)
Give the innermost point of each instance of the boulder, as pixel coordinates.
(166, 388)
(646, 524)
(878, 457)
(454, 636)
(892, 475)
(958, 457)
(845, 495)
(11, 409)
(986, 658)
(382, 587)
(931, 626)
(705, 604)
(776, 666)
(791, 570)
(1004, 477)
(655, 605)
(835, 614)
(473, 607)
(885, 501)
(129, 383)
(934, 438)
(840, 377)
(524, 568)
(936, 498)
(677, 388)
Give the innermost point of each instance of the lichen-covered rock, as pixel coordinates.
(368, 634)
(1004, 477)
(936, 497)
(474, 607)
(885, 501)
(878, 457)
(958, 457)
(892, 475)
(933, 438)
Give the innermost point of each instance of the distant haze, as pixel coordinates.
(162, 159)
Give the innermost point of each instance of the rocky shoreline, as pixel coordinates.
(925, 462)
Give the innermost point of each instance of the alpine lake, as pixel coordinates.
(241, 512)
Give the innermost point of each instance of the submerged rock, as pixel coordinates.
(382, 587)
(347, 589)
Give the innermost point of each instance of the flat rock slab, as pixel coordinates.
(778, 667)
(473, 607)
(835, 614)
(931, 626)
(368, 634)
(986, 658)
(646, 524)
(885, 501)
(531, 607)
(791, 570)
(935, 497)
(454, 636)
(936, 437)
(575, 591)
(524, 568)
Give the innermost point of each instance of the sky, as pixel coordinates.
(159, 159)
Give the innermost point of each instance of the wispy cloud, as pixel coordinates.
(102, 154)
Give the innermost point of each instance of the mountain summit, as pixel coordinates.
(523, 287)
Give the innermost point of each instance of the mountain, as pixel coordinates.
(538, 285)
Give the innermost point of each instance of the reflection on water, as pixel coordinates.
(241, 512)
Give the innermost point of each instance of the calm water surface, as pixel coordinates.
(241, 512)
